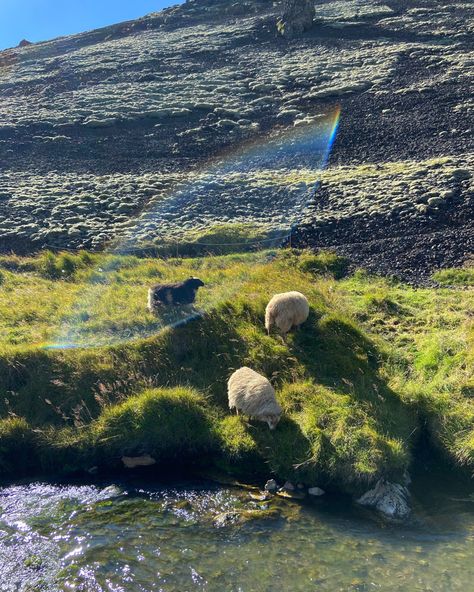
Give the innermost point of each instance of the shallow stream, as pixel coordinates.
(142, 536)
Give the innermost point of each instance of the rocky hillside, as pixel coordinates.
(96, 127)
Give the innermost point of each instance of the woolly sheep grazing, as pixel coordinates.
(286, 310)
(253, 395)
(178, 293)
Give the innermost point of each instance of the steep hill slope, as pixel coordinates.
(95, 127)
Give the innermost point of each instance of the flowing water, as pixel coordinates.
(141, 536)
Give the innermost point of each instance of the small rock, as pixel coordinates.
(447, 194)
(131, 462)
(271, 485)
(226, 518)
(290, 494)
(390, 499)
(260, 497)
(435, 201)
(288, 486)
(316, 491)
(461, 174)
(112, 491)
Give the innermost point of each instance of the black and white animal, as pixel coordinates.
(177, 293)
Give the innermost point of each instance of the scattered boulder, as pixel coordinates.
(24, 43)
(131, 462)
(317, 491)
(297, 17)
(390, 499)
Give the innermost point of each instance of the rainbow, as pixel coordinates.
(304, 147)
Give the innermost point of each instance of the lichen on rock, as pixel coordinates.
(390, 499)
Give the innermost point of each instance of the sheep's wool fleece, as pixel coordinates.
(287, 310)
(252, 394)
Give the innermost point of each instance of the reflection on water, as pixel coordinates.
(137, 537)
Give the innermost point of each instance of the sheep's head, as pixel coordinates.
(272, 421)
(195, 283)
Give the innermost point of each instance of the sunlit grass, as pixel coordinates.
(377, 363)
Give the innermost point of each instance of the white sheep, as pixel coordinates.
(253, 395)
(286, 310)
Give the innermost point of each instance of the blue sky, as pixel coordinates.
(39, 20)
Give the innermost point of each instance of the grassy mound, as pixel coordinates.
(376, 366)
(169, 424)
(455, 277)
(431, 334)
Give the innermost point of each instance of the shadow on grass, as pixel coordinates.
(339, 356)
(71, 387)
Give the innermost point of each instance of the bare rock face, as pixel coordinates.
(390, 499)
(297, 17)
(24, 43)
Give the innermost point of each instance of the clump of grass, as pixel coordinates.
(54, 266)
(239, 453)
(324, 263)
(455, 277)
(170, 424)
(348, 444)
(174, 425)
(380, 301)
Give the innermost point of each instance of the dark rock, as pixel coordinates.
(297, 17)
(271, 485)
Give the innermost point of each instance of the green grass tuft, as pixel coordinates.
(169, 424)
(324, 263)
(455, 277)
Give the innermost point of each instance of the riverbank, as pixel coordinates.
(378, 367)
